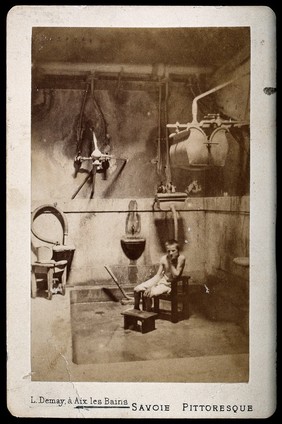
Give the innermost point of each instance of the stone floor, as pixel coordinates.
(87, 342)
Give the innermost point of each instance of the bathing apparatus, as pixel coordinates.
(201, 145)
(99, 162)
(58, 251)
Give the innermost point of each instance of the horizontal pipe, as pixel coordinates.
(58, 68)
(129, 83)
(161, 211)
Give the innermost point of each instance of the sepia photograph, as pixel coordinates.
(139, 214)
(140, 183)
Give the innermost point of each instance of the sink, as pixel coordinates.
(62, 252)
(133, 247)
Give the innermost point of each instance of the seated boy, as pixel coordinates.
(170, 269)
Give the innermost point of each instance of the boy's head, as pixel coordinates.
(172, 248)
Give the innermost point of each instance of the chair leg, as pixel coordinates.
(185, 307)
(186, 301)
(174, 309)
(64, 281)
(33, 285)
(50, 275)
(156, 305)
(146, 303)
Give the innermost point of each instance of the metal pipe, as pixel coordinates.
(219, 87)
(175, 222)
(195, 101)
(159, 154)
(168, 170)
(56, 68)
(79, 127)
(161, 211)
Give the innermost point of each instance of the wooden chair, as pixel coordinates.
(179, 295)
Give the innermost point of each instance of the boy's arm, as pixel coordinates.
(177, 270)
(160, 269)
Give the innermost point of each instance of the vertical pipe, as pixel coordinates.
(93, 172)
(79, 127)
(168, 170)
(159, 157)
(175, 222)
(219, 87)
(195, 101)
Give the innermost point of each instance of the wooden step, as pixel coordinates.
(139, 314)
(132, 318)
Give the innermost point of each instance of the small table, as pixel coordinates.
(147, 319)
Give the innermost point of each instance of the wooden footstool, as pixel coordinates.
(147, 320)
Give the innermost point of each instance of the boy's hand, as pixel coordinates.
(171, 260)
(147, 292)
(169, 257)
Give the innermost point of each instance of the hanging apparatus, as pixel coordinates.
(99, 162)
(201, 145)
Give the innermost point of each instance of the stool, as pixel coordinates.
(179, 294)
(54, 271)
(147, 319)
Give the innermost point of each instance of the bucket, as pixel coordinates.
(44, 254)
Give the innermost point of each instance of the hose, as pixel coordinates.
(62, 218)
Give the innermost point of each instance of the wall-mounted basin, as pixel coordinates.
(133, 247)
(62, 252)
